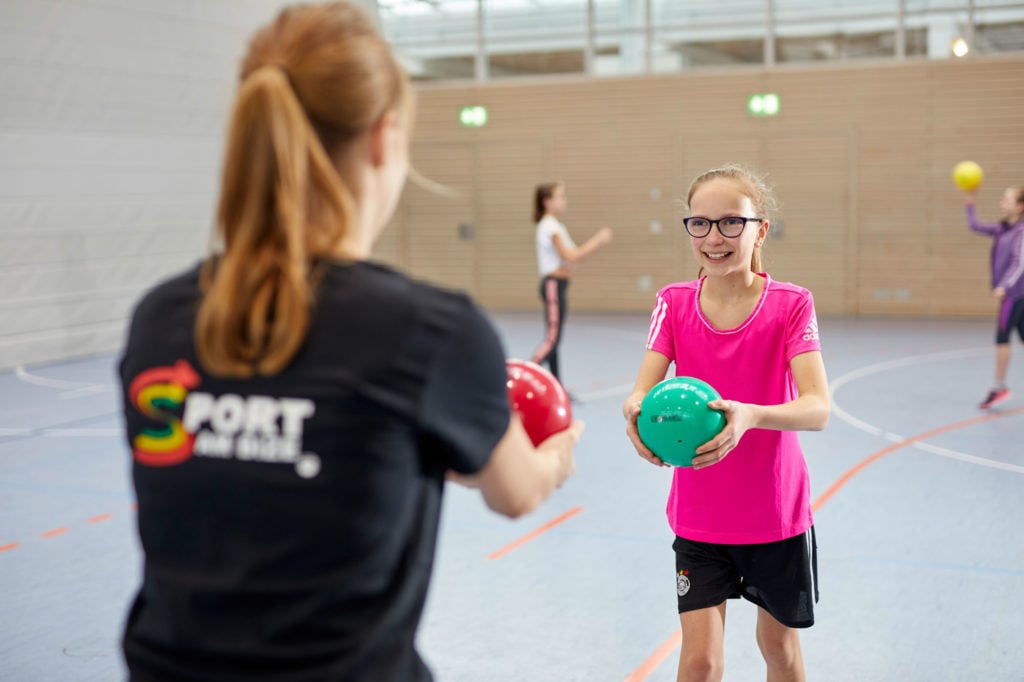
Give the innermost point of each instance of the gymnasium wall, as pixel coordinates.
(112, 115)
(860, 157)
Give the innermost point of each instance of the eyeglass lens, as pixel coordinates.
(729, 227)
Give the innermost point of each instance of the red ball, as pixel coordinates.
(539, 399)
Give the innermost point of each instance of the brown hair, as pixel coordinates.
(312, 81)
(753, 186)
(543, 193)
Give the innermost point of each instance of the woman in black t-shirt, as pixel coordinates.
(293, 409)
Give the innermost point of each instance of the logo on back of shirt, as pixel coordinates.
(811, 333)
(159, 393)
(192, 423)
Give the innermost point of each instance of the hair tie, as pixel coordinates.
(279, 68)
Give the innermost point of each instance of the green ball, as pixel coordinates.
(675, 419)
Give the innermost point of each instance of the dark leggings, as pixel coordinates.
(1011, 316)
(553, 294)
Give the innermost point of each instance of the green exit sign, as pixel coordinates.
(473, 117)
(764, 104)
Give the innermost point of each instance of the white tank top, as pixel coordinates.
(548, 259)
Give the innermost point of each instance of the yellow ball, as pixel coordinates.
(967, 175)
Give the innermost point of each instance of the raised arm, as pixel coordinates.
(976, 225)
(574, 254)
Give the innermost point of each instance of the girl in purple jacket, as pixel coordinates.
(1007, 280)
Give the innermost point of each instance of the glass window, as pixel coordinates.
(998, 27)
(621, 40)
(709, 33)
(535, 38)
(438, 39)
(434, 41)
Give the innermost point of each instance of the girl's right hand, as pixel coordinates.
(631, 413)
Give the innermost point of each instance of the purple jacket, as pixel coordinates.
(1007, 253)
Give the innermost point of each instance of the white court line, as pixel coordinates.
(71, 389)
(86, 391)
(619, 332)
(95, 432)
(622, 390)
(98, 432)
(30, 378)
(934, 449)
(905, 362)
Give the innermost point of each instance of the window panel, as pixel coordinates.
(437, 39)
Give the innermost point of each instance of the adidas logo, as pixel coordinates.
(811, 333)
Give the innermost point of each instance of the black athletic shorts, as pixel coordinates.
(1011, 316)
(780, 577)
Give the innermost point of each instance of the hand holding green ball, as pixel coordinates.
(675, 419)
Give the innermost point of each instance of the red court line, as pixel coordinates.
(676, 640)
(531, 535)
(655, 659)
(870, 459)
(99, 518)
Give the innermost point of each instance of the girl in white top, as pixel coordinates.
(557, 256)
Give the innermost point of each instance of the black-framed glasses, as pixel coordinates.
(731, 226)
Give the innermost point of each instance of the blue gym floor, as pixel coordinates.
(919, 497)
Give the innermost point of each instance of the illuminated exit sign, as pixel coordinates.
(764, 104)
(473, 117)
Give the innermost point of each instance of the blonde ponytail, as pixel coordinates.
(313, 81)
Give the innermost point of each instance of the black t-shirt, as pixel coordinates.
(289, 522)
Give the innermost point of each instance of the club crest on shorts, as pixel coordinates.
(682, 583)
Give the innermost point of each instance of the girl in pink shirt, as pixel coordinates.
(742, 513)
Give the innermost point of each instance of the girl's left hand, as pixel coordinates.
(739, 418)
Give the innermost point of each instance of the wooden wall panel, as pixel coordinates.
(808, 174)
(860, 157)
(432, 244)
(507, 174)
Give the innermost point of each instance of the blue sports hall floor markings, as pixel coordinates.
(69, 389)
(873, 430)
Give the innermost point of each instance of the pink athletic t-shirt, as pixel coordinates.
(761, 491)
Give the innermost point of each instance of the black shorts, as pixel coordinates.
(1011, 316)
(780, 577)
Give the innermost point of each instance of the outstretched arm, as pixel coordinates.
(519, 476)
(576, 254)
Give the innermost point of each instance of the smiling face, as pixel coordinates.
(721, 256)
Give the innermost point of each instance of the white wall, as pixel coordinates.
(112, 114)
